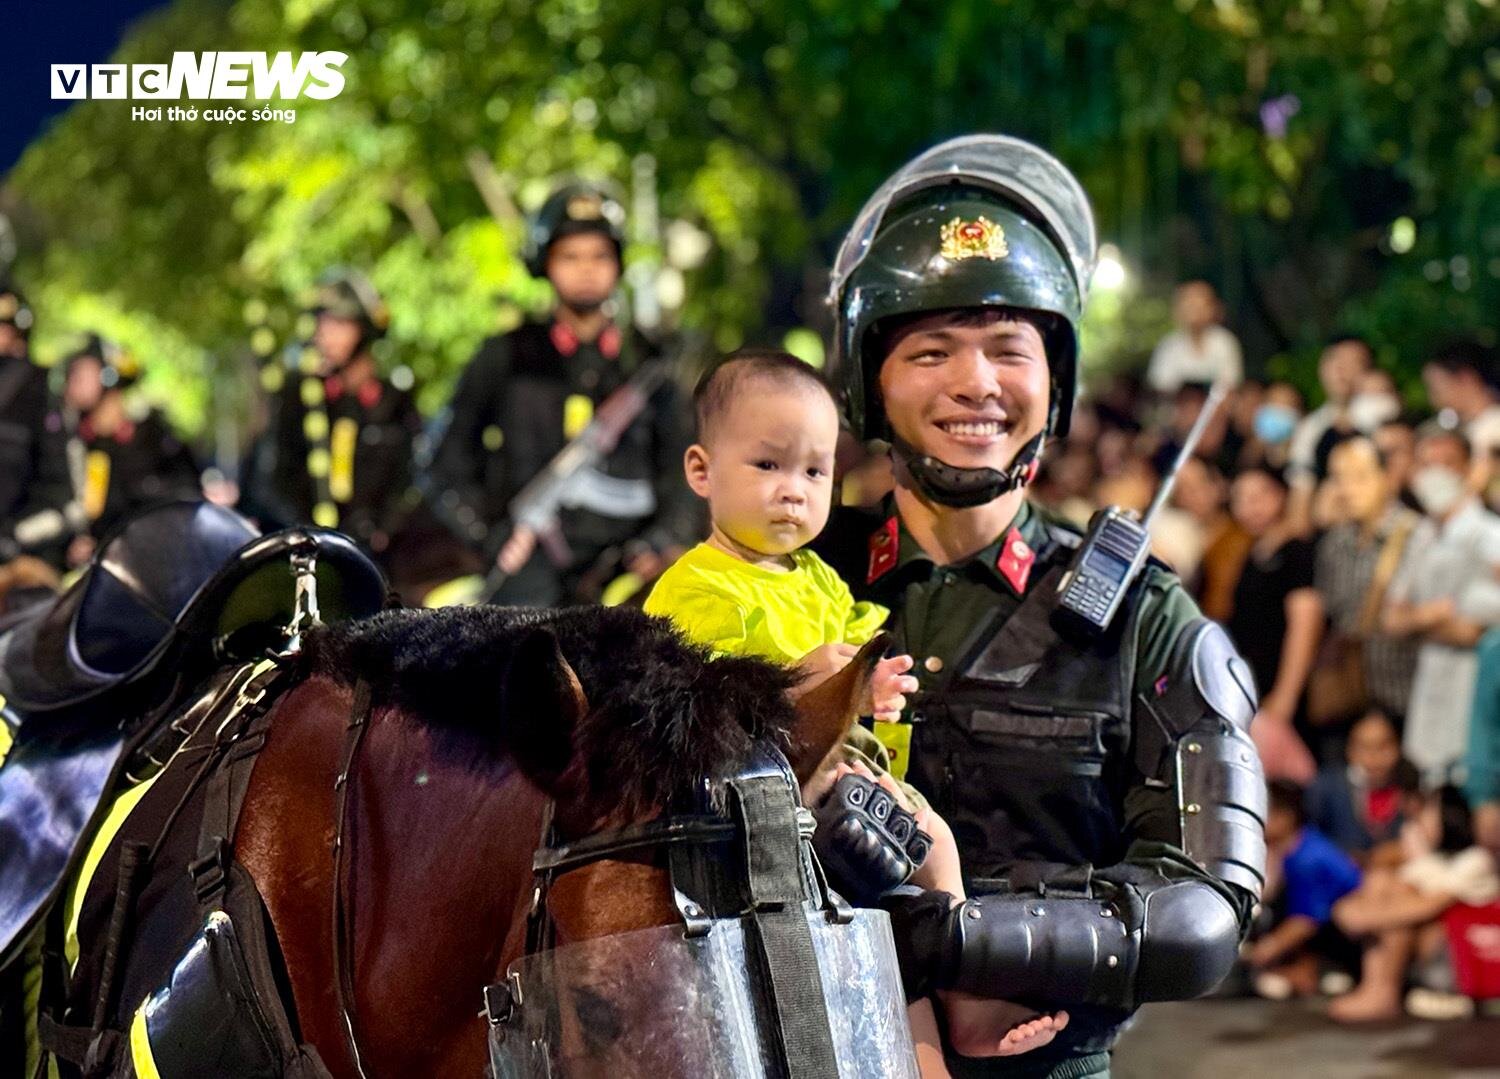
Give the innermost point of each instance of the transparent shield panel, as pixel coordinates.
(1008, 165)
(656, 1005)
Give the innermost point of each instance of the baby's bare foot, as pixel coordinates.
(1032, 1034)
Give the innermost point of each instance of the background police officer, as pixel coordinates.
(527, 393)
(123, 459)
(34, 487)
(337, 449)
(1105, 797)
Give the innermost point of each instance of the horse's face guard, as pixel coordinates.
(767, 973)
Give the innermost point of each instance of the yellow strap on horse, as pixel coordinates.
(78, 888)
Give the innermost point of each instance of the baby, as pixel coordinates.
(767, 431)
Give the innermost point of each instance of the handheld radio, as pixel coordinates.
(1114, 551)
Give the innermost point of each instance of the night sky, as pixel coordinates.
(34, 34)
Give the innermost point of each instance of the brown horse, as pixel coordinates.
(479, 716)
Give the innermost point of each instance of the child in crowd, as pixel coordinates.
(1358, 805)
(767, 431)
(1309, 875)
(1397, 910)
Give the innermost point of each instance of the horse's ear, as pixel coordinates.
(541, 703)
(826, 712)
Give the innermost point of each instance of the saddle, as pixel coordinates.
(179, 591)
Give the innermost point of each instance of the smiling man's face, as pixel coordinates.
(970, 392)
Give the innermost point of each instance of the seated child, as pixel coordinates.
(1358, 804)
(1397, 911)
(767, 430)
(1308, 874)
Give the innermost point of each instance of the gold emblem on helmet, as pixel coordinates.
(977, 239)
(585, 208)
(9, 305)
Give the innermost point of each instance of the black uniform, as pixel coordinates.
(521, 399)
(140, 463)
(33, 457)
(336, 457)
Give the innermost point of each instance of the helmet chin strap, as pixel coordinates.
(949, 485)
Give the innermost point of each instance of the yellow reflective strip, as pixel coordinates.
(620, 589)
(140, 1047)
(5, 740)
(95, 483)
(577, 411)
(79, 886)
(341, 470)
(459, 592)
(896, 737)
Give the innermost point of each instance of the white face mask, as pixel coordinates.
(1438, 489)
(1368, 411)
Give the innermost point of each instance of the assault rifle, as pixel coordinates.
(535, 506)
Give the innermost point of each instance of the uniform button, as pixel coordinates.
(933, 663)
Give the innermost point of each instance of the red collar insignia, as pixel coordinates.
(563, 338)
(333, 388)
(567, 342)
(885, 546)
(369, 393)
(1016, 558)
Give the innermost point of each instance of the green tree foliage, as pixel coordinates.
(1326, 162)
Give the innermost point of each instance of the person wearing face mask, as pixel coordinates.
(1460, 384)
(1445, 596)
(1271, 427)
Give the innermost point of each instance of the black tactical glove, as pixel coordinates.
(865, 841)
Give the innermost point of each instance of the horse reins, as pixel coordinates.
(343, 960)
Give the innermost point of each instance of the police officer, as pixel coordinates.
(1105, 797)
(34, 486)
(124, 459)
(527, 393)
(337, 449)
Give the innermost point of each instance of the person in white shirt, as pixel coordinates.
(1342, 367)
(1445, 596)
(1458, 383)
(1200, 350)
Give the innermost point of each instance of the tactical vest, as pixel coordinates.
(1025, 748)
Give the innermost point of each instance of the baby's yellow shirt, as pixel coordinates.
(739, 609)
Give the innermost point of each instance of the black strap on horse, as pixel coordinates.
(226, 769)
(343, 960)
(774, 869)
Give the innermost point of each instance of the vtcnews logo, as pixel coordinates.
(207, 76)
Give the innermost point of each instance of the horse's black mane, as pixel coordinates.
(662, 712)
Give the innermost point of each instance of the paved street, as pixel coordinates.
(1254, 1039)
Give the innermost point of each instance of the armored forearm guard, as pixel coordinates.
(1174, 941)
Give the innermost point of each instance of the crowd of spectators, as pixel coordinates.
(1351, 547)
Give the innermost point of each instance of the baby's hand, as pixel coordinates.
(824, 662)
(888, 688)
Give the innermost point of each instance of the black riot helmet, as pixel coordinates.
(571, 209)
(349, 294)
(983, 221)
